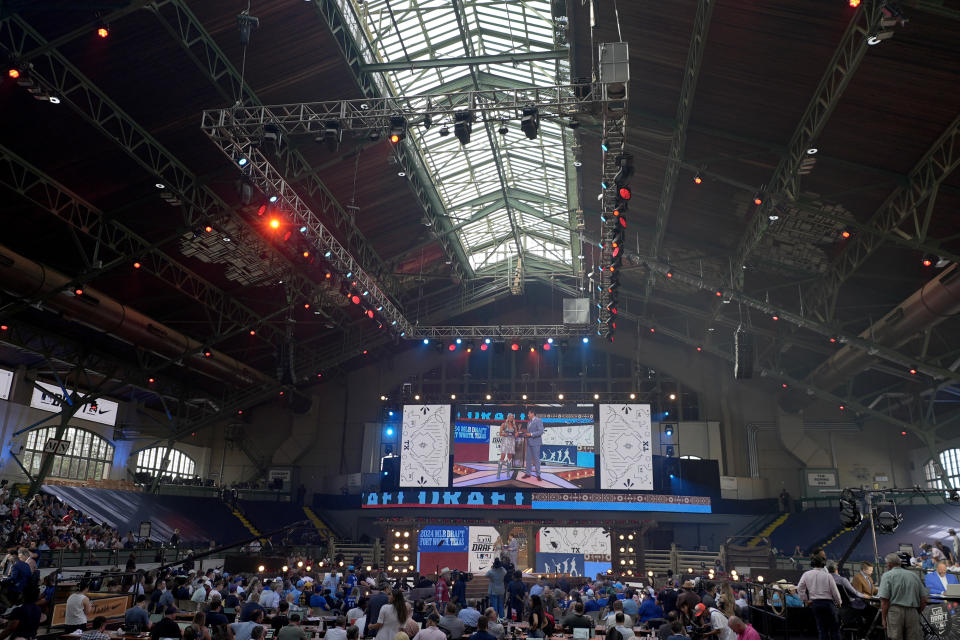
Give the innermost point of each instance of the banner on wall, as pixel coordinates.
(425, 450)
(6, 383)
(626, 458)
(437, 538)
(49, 397)
(485, 545)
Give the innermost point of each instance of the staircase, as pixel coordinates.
(243, 519)
(766, 531)
(318, 524)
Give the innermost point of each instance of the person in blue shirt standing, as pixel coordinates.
(534, 440)
(648, 610)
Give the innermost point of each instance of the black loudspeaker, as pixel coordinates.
(390, 473)
(743, 350)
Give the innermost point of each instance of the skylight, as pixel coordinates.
(507, 196)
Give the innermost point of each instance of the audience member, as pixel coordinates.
(167, 626)
(902, 597)
(78, 607)
(451, 623)
(431, 630)
(136, 617)
(819, 591)
(294, 631)
(482, 633)
(24, 621)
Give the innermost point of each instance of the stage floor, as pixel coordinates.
(484, 474)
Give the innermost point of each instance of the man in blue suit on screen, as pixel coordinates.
(534, 440)
(937, 581)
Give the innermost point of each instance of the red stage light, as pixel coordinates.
(150, 380)
(832, 340)
(306, 305)
(652, 330)
(306, 254)
(532, 350)
(699, 348)
(913, 371)
(253, 332)
(783, 384)
(697, 179)
(78, 291)
(903, 433)
(484, 346)
(845, 234)
(137, 265)
(364, 352)
(239, 412)
(262, 209)
(775, 318)
(274, 223)
(842, 408)
(355, 299)
(623, 221)
(103, 32)
(669, 274)
(452, 347)
(927, 261)
(515, 347)
(208, 228)
(207, 353)
(3, 327)
(14, 73)
(394, 138)
(370, 313)
(327, 275)
(757, 200)
(719, 293)
(854, 3)
(546, 346)
(625, 193)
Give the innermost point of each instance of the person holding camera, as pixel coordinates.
(715, 624)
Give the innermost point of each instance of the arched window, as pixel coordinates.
(151, 461)
(88, 455)
(950, 460)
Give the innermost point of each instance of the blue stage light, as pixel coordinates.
(426, 341)
(390, 429)
(586, 339)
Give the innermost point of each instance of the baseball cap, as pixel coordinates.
(699, 609)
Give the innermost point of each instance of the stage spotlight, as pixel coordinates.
(242, 161)
(854, 3)
(757, 199)
(633, 396)
(261, 568)
(515, 347)
(444, 131)
(559, 396)
(503, 128)
(596, 396)
(524, 396)
(13, 73)
(530, 122)
(417, 397)
(672, 396)
(273, 198)
(888, 521)
(549, 340)
(458, 341)
(546, 346)
(426, 341)
(451, 347)
(488, 397)
(389, 430)
(103, 31)
(462, 125)
(470, 346)
(845, 234)
(398, 128)
(929, 260)
(585, 340)
(484, 346)
(137, 265)
(668, 432)
(624, 193)
(697, 179)
(274, 223)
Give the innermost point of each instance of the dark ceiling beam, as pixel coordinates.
(37, 187)
(417, 176)
(934, 167)
(849, 403)
(55, 74)
(462, 61)
(678, 143)
(784, 184)
(214, 64)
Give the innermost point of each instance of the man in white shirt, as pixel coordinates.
(269, 599)
(338, 631)
(199, 593)
(819, 591)
(719, 625)
(615, 608)
(626, 631)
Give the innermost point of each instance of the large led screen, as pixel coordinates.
(483, 455)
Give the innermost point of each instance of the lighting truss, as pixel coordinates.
(499, 331)
(201, 204)
(785, 182)
(28, 181)
(240, 122)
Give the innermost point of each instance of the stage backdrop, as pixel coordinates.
(567, 455)
(579, 551)
(425, 453)
(465, 548)
(626, 461)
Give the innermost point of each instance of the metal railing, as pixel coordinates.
(107, 557)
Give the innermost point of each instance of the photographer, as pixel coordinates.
(458, 590)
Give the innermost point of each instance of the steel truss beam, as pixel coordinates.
(735, 295)
(784, 184)
(463, 61)
(936, 165)
(849, 404)
(211, 60)
(366, 114)
(348, 33)
(31, 183)
(615, 135)
(201, 204)
(263, 174)
(698, 42)
(499, 331)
